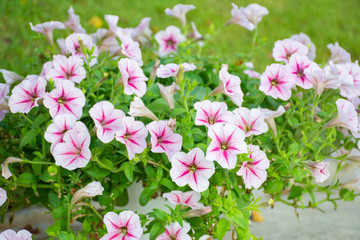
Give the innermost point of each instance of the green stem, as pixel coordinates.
(26, 185)
(27, 119)
(96, 212)
(114, 170)
(68, 216)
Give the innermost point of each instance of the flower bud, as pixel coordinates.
(320, 170)
(198, 212)
(5, 166)
(171, 123)
(168, 93)
(91, 190)
(138, 109)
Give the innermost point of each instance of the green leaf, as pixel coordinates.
(243, 233)
(161, 215)
(129, 171)
(39, 120)
(168, 183)
(66, 236)
(238, 218)
(58, 212)
(274, 186)
(146, 195)
(159, 106)
(54, 201)
(27, 178)
(98, 173)
(347, 195)
(86, 225)
(156, 230)
(177, 111)
(122, 199)
(222, 227)
(294, 148)
(54, 230)
(29, 136)
(295, 192)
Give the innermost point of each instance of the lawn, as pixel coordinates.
(325, 21)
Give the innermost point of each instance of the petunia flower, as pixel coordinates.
(12, 235)
(345, 79)
(163, 139)
(60, 125)
(67, 69)
(250, 71)
(10, 77)
(172, 69)
(123, 226)
(320, 79)
(195, 35)
(296, 66)
(65, 98)
(270, 115)
(168, 93)
(5, 172)
(25, 95)
(229, 85)
(320, 170)
(4, 90)
(46, 69)
(227, 142)
(283, 50)
(346, 118)
(248, 17)
(131, 49)
(108, 120)
(190, 198)
(138, 109)
(133, 77)
(171, 123)
(254, 172)
(47, 28)
(276, 82)
(142, 32)
(179, 11)
(250, 121)
(168, 40)
(73, 22)
(74, 151)
(3, 196)
(73, 46)
(191, 169)
(338, 54)
(90, 190)
(304, 39)
(61, 43)
(209, 113)
(175, 231)
(112, 21)
(133, 135)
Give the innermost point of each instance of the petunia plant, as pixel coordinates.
(200, 133)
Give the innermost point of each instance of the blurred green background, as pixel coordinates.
(324, 21)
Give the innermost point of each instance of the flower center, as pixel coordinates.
(248, 128)
(78, 151)
(172, 237)
(33, 96)
(62, 100)
(193, 168)
(211, 120)
(160, 140)
(170, 42)
(127, 135)
(224, 146)
(123, 231)
(77, 48)
(68, 75)
(274, 82)
(300, 72)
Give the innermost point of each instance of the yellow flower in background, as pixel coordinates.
(96, 21)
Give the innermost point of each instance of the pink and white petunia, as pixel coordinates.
(123, 226)
(248, 17)
(251, 122)
(347, 86)
(112, 21)
(297, 65)
(320, 79)
(3, 196)
(25, 95)
(90, 190)
(132, 77)
(74, 151)
(5, 172)
(229, 85)
(12, 235)
(46, 69)
(179, 11)
(283, 50)
(254, 172)
(172, 69)
(133, 135)
(338, 54)
(276, 82)
(163, 139)
(270, 115)
(60, 125)
(4, 90)
(250, 71)
(67, 69)
(142, 32)
(227, 142)
(208, 113)
(73, 22)
(10, 77)
(108, 120)
(346, 118)
(190, 198)
(304, 39)
(168, 93)
(138, 109)
(195, 35)
(191, 169)
(2, 114)
(47, 28)
(168, 40)
(73, 46)
(320, 170)
(65, 98)
(131, 49)
(175, 231)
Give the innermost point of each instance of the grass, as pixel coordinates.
(324, 21)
